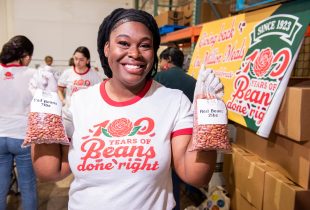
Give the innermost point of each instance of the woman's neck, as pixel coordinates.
(118, 92)
(81, 69)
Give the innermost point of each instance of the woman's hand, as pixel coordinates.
(208, 82)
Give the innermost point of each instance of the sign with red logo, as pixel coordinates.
(253, 54)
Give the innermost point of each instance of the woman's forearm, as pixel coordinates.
(50, 161)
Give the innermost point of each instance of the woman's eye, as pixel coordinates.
(123, 43)
(146, 46)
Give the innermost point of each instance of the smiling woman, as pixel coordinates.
(131, 56)
(108, 169)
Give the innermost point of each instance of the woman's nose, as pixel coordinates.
(134, 52)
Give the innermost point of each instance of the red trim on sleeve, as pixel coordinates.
(185, 131)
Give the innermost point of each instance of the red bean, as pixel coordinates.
(209, 136)
(45, 128)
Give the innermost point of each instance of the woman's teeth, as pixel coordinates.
(132, 66)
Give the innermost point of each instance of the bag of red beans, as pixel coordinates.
(210, 130)
(44, 120)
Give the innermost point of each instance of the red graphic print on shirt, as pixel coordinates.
(8, 75)
(80, 84)
(119, 145)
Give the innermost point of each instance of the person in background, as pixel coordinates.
(77, 77)
(48, 67)
(48, 60)
(15, 75)
(128, 130)
(173, 76)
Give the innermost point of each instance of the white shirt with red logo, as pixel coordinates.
(121, 151)
(74, 81)
(56, 72)
(15, 100)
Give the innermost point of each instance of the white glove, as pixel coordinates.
(208, 83)
(43, 80)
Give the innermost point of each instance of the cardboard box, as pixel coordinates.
(207, 14)
(187, 13)
(228, 167)
(238, 202)
(283, 194)
(249, 172)
(293, 120)
(228, 173)
(289, 157)
(170, 18)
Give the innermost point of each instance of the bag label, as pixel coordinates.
(211, 111)
(46, 102)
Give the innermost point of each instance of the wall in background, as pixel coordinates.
(56, 27)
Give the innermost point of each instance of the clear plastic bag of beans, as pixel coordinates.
(44, 120)
(210, 130)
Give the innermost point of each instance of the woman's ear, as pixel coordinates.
(106, 49)
(25, 60)
(169, 59)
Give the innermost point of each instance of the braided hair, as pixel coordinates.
(15, 49)
(118, 17)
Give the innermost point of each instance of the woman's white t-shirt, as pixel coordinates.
(74, 81)
(121, 151)
(15, 100)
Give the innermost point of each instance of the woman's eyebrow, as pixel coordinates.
(127, 36)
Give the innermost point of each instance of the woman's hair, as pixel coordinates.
(48, 58)
(118, 17)
(173, 54)
(85, 52)
(71, 62)
(15, 49)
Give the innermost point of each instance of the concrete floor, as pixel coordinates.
(52, 196)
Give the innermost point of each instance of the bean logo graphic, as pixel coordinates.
(263, 62)
(8, 75)
(119, 144)
(120, 127)
(123, 127)
(80, 84)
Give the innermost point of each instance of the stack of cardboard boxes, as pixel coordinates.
(273, 173)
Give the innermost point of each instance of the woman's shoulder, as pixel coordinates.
(89, 92)
(69, 69)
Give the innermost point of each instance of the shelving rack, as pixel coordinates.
(189, 34)
(246, 5)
